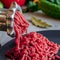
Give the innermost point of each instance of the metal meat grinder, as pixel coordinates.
(7, 18)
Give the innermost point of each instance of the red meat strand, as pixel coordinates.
(32, 46)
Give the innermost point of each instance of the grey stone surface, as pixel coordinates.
(4, 38)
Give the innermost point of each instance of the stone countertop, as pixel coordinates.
(4, 38)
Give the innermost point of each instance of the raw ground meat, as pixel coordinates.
(31, 46)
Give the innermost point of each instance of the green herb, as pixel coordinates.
(39, 23)
(32, 6)
(1, 5)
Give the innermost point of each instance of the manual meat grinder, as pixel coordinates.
(7, 18)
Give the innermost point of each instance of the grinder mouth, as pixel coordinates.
(10, 22)
(7, 21)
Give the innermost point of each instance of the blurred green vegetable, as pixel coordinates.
(1, 5)
(52, 0)
(32, 6)
(39, 23)
(58, 2)
(51, 9)
(55, 1)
